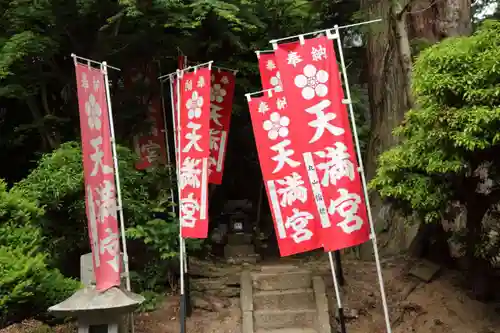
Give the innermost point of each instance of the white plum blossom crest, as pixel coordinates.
(93, 111)
(312, 82)
(276, 82)
(217, 93)
(276, 126)
(194, 105)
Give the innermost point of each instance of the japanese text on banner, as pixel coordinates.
(269, 73)
(149, 145)
(285, 176)
(311, 81)
(100, 192)
(221, 103)
(194, 152)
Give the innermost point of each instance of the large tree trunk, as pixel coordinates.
(389, 58)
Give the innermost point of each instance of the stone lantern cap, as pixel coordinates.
(88, 301)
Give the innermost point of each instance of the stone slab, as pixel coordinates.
(238, 250)
(297, 279)
(284, 299)
(246, 296)
(425, 270)
(288, 330)
(323, 314)
(272, 319)
(247, 322)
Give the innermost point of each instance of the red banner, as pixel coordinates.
(100, 192)
(310, 78)
(221, 98)
(269, 73)
(285, 175)
(149, 145)
(194, 152)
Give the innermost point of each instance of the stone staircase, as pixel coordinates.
(283, 299)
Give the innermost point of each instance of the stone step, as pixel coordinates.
(288, 330)
(272, 319)
(238, 260)
(278, 268)
(238, 250)
(284, 299)
(282, 281)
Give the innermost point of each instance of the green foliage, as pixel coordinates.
(27, 285)
(454, 129)
(57, 185)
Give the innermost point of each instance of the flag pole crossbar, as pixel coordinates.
(90, 61)
(313, 33)
(180, 72)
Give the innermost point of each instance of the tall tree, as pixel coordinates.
(407, 27)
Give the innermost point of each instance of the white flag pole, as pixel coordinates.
(104, 69)
(176, 150)
(362, 173)
(176, 112)
(169, 159)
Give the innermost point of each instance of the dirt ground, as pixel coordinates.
(415, 306)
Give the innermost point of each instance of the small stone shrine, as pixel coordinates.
(239, 247)
(98, 312)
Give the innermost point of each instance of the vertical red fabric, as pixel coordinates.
(194, 152)
(221, 104)
(285, 175)
(269, 73)
(98, 170)
(311, 81)
(150, 144)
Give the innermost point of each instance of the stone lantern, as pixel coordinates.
(96, 311)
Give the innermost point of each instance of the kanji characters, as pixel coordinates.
(106, 200)
(110, 244)
(294, 59)
(292, 189)
(318, 53)
(152, 150)
(299, 222)
(337, 165)
(189, 207)
(190, 173)
(97, 158)
(214, 114)
(347, 206)
(193, 137)
(283, 155)
(322, 121)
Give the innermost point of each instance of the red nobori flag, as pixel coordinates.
(100, 192)
(269, 73)
(285, 175)
(221, 98)
(194, 152)
(310, 78)
(149, 145)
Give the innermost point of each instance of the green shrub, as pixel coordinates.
(57, 185)
(27, 286)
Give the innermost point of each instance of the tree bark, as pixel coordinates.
(389, 86)
(49, 142)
